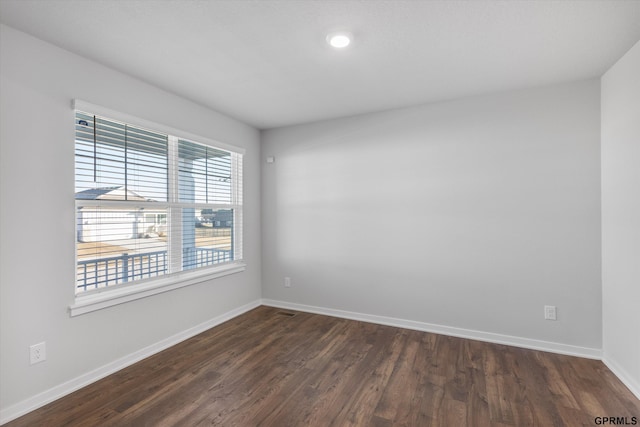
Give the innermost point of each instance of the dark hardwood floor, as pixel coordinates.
(270, 369)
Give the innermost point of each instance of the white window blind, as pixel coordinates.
(151, 204)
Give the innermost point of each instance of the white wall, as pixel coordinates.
(469, 214)
(621, 217)
(38, 82)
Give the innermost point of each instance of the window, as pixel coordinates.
(150, 204)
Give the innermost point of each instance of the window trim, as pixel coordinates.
(145, 288)
(87, 302)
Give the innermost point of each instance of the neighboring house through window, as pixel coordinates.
(150, 204)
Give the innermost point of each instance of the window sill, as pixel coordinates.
(109, 297)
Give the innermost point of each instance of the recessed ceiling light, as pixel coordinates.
(339, 40)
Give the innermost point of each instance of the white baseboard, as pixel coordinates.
(47, 396)
(571, 350)
(41, 399)
(623, 376)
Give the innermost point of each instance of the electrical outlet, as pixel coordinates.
(287, 282)
(550, 312)
(38, 353)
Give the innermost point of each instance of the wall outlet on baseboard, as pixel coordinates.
(287, 282)
(38, 353)
(550, 312)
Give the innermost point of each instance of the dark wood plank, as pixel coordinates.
(268, 369)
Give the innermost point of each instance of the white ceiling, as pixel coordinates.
(266, 62)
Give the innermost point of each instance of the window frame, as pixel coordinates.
(97, 299)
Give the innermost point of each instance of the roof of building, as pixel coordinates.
(110, 193)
